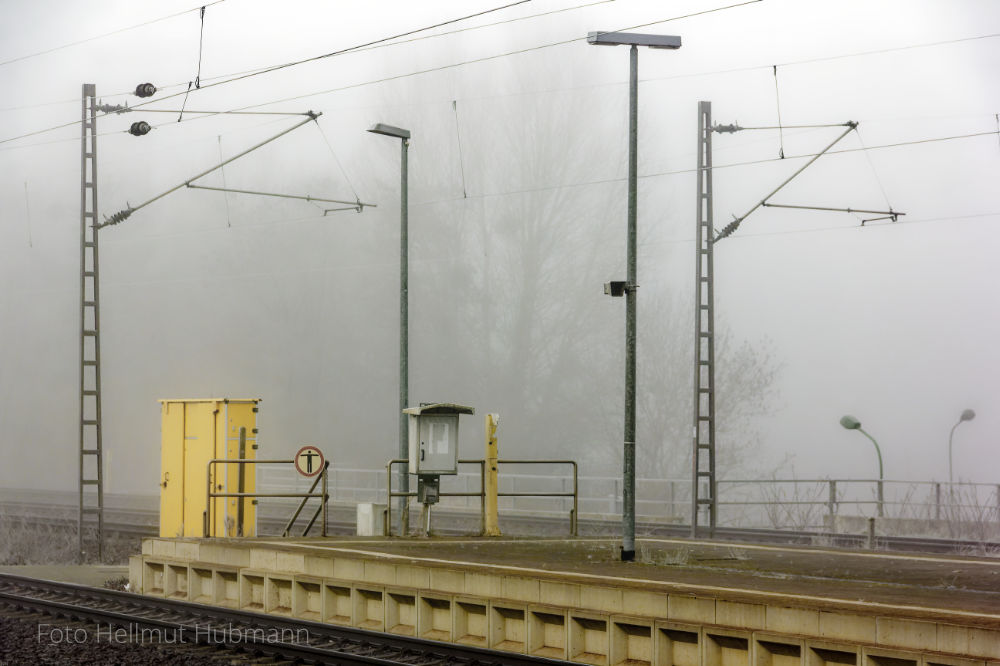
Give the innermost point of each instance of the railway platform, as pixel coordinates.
(684, 602)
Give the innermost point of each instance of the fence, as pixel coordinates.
(799, 504)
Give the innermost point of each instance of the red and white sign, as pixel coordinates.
(309, 461)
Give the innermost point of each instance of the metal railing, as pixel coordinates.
(798, 504)
(481, 493)
(208, 517)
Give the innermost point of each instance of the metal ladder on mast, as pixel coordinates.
(703, 486)
(91, 505)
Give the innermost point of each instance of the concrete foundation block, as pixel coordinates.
(447, 580)
(307, 598)
(588, 638)
(401, 612)
(348, 569)
(646, 604)
(547, 632)
(520, 589)
(739, 615)
(910, 634)
(690, 609)
(263, 558)
(560, 594)
(382, 573)
(338, 605)
(631, 641)
(508, 626)
(677, 644)
(434, 618)
(792, 620)
(294, 563)
(471, 617)
(187, 550)
(135, 573)
(844, 627)
(726, 647)
(413, 576)
(984, 643)
(319, 566)
(487, 586)
(369, 607)
(163, 548)
(776, 650)
(885, 657)
(821, 653)
(603, 599)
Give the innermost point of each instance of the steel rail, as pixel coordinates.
(327, 643)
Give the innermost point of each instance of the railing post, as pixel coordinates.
(881, 499)
(576, 500)
(326, 496)
(832, 501)
(937, 501)
(387, 528)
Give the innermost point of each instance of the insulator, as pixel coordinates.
(145, 90)
(139, 128)
(118, 217)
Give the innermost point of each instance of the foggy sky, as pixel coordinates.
(205, 295)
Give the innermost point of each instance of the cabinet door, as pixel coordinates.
(438, 444)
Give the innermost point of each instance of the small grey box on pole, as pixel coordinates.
(634, 40)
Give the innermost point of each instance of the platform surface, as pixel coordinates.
(920, 586)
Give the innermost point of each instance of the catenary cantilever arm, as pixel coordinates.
(122, 215)
(734, 225)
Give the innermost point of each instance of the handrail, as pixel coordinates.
(302, 504)
(207, 517)
(574, 512)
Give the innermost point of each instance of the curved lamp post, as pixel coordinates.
(967, 415)
(851, 423)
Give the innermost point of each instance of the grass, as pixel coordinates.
(23, 543)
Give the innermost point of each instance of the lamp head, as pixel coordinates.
(850, 422)
(967, 415)
(634, 39)
(389, 130)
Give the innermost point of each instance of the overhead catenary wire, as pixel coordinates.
(229, 222)
(777, 104)
(201, 42)
(286, 65)
(107, 34)
(340, 166)
(506, 54)
(458, 137)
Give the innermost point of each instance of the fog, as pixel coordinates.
(517, 218)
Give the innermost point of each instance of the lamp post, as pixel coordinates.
(967, 415)
(851, 423)
(404, 322)
(633, 40)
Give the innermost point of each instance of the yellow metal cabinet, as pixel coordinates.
(193, 432)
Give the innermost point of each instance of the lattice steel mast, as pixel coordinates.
(91, 458)
(703, 450)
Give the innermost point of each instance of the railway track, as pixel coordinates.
(144, 523)
(133, 618)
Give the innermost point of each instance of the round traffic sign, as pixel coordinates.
(309, 461)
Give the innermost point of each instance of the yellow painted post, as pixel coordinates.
(491, 524)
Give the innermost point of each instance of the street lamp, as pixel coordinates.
(967, 415)
(404, 319)
(633, 40)
(851, 423)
